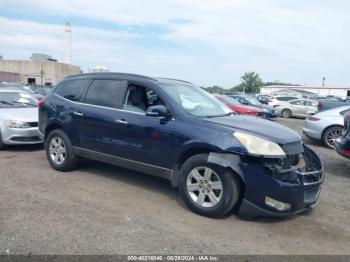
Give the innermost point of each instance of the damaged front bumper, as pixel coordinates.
(298, 186)
(276, 187)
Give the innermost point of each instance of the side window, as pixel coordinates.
(310, 103)
(139, 98)
(297, 102)
(72, 89)
(103, 93)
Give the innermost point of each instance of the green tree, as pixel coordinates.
(214, 89)
(251, 83)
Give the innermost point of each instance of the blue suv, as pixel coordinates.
(169, 128)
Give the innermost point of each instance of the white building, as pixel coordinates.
(342, 92)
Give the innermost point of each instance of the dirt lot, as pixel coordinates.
(101, 209)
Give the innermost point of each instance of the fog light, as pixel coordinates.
(280, 206)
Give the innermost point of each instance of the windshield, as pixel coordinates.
(17, 87)
(16, 100)
(231, 100)
(196, 101)
(252, 100)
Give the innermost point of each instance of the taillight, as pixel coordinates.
(41, 102)
(313, 118)
(344, 152)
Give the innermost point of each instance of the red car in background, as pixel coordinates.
(242, 109)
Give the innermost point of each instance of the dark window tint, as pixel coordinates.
(103, 93)
(72, 89)
(297, 102)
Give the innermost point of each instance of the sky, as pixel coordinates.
(207, 42)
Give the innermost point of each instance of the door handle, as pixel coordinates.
(121, 121)
(78, 114)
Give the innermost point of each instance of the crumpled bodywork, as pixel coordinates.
(295, 179)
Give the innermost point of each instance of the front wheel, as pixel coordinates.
(59, 151)
(208, 189)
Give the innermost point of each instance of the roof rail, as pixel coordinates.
(173, 79)
(112, 73)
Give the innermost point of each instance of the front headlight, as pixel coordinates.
(259, 146)
(16, 124)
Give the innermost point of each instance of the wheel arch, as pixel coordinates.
(215, 156)
(52, 127)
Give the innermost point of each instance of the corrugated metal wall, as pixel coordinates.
(9, 77)
(42, 71)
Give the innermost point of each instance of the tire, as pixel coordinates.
(2, 145)
(200, 198)
(330, 135)
(286, 113)
(58, 144)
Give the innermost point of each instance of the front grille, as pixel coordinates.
(312, 177)
(25, 139)
(293, 148)
(33, 124)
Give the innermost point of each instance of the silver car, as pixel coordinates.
(18, 118)
(297, 108)
(326, 126)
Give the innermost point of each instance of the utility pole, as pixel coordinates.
(323, 81)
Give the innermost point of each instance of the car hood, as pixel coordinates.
(259, 127)
(20, 114)
(250, 108)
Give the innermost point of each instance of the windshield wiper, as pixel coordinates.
(24, 103)
(228, 114)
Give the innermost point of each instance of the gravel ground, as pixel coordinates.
(101, 209)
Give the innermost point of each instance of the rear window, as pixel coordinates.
(73, 89)
(104, 93)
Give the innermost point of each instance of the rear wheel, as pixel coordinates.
(286, 113)
(330, 135)
(59, 151)
(208, 189)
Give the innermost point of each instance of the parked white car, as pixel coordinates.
(18, 118)
(277, 100)
(326, 126)
(297, 108)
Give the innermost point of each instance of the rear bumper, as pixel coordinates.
(270, 115)
(301, 196)
(21, 136)
(312, 130)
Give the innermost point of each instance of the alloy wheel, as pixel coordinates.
(57, 150)
(332, 134)
(204, 187)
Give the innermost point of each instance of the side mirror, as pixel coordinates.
(157, 111)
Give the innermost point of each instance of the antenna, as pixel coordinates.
(68, 50)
